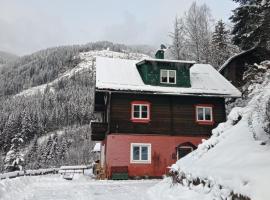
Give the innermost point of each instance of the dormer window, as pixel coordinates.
(168, 76)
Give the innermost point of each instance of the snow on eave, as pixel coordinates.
(165, 60)
(199, 94)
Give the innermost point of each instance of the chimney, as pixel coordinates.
(160, 53)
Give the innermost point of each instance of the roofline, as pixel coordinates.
(233, 57)
(165, 60)
(167, 93)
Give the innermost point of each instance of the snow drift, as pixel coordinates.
(235, 160)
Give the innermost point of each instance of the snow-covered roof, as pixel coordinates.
(122, 75)
(97, 147)
(234, 57)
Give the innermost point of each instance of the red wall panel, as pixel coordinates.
(162, 149)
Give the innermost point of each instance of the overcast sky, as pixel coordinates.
(30, 25)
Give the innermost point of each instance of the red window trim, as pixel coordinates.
(136, 120)
(205, 122)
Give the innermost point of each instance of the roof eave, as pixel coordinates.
(169, 93)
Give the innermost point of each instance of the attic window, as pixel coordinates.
(168, 76)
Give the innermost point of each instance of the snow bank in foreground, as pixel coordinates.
(9, 187)
(236, 159)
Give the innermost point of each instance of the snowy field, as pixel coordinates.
(53, 187)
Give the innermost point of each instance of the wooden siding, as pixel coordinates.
(171, 115)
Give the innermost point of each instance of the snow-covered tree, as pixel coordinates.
(12, 127)
(177, 48)
(14, 159)
(251, 23)
(221, 45)
(198, 28)
(31, 158)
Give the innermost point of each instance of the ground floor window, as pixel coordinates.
(140, 153)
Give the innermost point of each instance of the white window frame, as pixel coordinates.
(140, 111)
(168, 76)
(140, 145)
(204, 120)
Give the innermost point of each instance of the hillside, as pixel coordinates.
(49, 94)
(6, 58)
(234, 163)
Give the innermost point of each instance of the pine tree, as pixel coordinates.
(251, 23)
(48, 150)
(27, 126)
(54, 151)
(12, 127)
(221, 47)
(31, 159)
(14, 159)
(63, 149)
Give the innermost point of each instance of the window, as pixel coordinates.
(204, 114)
(140, 111)
(140, 153)
(183, 151)
(168, 76)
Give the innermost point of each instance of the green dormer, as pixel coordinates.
(161, 72)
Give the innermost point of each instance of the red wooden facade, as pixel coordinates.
(145, 124)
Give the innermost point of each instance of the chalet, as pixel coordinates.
(234, 68)
(154, 111)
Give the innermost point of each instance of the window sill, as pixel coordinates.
(140, 162)
(210, 123)
(145, 121)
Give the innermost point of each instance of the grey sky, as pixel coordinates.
(30, 25)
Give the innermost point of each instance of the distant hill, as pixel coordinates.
(6, 57)
(46, 101)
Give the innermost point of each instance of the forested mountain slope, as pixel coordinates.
(6, 57)
(50, 93)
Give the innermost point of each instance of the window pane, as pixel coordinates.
(144, 108)
(171, 80)
(136, 153)
(144, 115)
(144, 153)
(136, 108)
(200, 113)
(136, 114)
(164, 78)
(207, 113)
(171, 74)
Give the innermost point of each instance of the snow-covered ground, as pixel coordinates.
(54, 187)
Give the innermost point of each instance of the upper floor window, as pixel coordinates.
(140, 111)
(168, 76)
(204, 114)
